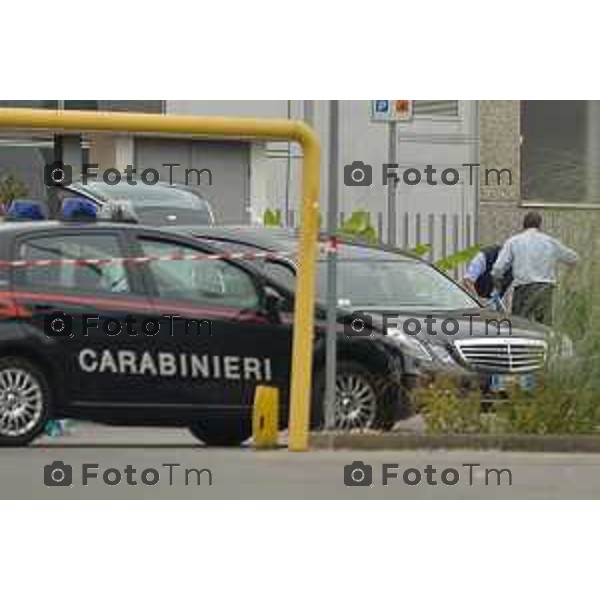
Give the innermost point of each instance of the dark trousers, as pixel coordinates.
(534, 301)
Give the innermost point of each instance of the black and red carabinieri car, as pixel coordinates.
(123, 324)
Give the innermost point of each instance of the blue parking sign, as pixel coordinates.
(382, 106)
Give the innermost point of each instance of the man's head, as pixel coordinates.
(532, 220)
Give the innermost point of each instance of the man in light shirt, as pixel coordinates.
(533, 257)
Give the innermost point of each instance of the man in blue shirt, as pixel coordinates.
(478, 278)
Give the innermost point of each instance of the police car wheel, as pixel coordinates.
(24, 401)
(222, 431)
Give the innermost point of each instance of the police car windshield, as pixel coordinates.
(157, 204)
(381, 279)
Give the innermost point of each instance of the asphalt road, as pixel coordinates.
(278, 474)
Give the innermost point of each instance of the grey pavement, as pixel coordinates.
(247, 473)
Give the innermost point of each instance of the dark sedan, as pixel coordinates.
(425, 312)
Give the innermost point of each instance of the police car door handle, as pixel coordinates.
(248, 315)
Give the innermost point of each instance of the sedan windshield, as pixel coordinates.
(393, 282)
(371, 278)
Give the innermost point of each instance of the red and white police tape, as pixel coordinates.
(49, 262)
(332, 245)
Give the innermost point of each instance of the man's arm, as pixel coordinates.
(503, 262)
(565, 254)
(475, 270)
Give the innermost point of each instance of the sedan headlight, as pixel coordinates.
(412, 344)
(442, 354)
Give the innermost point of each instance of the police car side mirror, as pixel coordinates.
(274, 303)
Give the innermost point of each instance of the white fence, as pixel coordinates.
(445, 233)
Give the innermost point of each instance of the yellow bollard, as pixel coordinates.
(265, 417)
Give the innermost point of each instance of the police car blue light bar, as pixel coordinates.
(78, 208)
(25, 209)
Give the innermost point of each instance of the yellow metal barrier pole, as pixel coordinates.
(304, 308)
(227, 127)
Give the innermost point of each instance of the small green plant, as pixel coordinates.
(450, 262)
(359, 225)
(458, 258)
(11, 187)
(272, 218)
(421, 250)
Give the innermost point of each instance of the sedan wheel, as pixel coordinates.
(356, 401)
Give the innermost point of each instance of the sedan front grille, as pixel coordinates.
(503, 355)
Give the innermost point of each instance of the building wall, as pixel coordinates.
(225, 181)
(25, 153)
(500, 133)
(501, 209)
(444, 141)
(273, 169)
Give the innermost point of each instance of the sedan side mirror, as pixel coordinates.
(274, 303)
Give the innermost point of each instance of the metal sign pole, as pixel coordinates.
(391, 187)
(332, 218)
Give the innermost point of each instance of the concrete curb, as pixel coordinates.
(408, 441)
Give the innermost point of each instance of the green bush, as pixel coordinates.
(458, 258)
(447, 409)
(551, 408)
(358, 225)
(272, 218)
(11, 187)
(577, 317)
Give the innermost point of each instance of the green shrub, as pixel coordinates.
(577, 317)
(458, 258)
(272, 218)
(550, 408)
(11, 187)
(358, 225)
(421, 250)
(448, 409)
